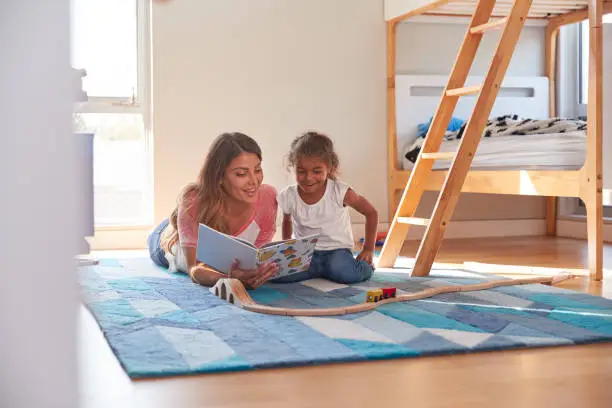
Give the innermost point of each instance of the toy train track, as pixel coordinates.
(233, 291)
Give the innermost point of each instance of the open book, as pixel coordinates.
(218, 250)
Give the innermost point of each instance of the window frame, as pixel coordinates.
(140, 103)
(582, 99)
(583, 85)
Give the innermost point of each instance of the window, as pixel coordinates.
(607, 202)
(583, 61)
(110, 40)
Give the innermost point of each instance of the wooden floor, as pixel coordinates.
(575, 376)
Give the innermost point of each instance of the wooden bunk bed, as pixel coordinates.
(585, 183)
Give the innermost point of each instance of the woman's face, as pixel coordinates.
(243, 177)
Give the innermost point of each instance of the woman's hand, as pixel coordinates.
(366, 255)
(253, 278)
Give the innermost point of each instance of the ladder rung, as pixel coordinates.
(439, 156)
(491, 25)
(413, 221)
(468, 90)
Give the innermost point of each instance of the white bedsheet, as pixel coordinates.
(529, 152)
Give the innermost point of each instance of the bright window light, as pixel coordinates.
(109, 41)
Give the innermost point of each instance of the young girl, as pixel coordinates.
(318, 204)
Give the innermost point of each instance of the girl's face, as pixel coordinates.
(243, 177)
(311, 174)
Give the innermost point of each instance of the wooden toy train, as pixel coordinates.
(380, 294)
(233, 291)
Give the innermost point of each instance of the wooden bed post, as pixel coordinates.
(552, 30)
(592, 174)
(391, 125)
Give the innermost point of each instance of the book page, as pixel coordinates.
(273, 243)
(219, 250)
(292, 256)
(244, 241)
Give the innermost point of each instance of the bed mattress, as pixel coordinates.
(555, 151)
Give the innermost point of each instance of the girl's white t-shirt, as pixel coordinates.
(328, 217)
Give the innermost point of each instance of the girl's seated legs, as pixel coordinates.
(342, 267)
(314, 271)
(339, 265)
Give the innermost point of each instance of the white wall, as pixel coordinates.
(567, 71)
(38, 211)
(431, 48)
(271, 69)
(395, 8)
(428, 48)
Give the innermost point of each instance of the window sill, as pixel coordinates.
(575, 227)
(580, 217)
(119, 237)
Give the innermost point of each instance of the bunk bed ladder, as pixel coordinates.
(462, 159)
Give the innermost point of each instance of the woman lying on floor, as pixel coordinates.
(228, 196)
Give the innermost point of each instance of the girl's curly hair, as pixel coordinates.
(314, 144)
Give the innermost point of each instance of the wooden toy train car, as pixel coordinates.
(380, 294)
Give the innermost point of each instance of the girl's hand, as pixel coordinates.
(366, 255)
(363, 206)
(253, 278)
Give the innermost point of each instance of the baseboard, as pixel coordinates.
(116, 239)
(576, 228)
(473, 229)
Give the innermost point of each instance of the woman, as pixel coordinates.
(228, 196)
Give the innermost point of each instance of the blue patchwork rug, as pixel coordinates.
(161, 324)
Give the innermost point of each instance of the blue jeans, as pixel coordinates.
(155, 251)
(338, 265)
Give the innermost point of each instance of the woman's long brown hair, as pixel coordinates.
(209, 195)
